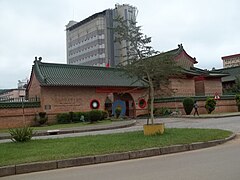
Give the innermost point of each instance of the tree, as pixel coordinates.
(142, 61)
(235, 88)
(210, 105)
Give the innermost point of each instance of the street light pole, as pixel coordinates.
(23, 112)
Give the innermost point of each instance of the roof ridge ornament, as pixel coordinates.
(38, 59)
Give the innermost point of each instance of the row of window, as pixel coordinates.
(87, 58)
(85, 41)
(85, 50)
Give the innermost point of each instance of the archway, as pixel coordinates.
(129, 102)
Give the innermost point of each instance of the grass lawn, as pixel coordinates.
(52, 149)
(63, 126)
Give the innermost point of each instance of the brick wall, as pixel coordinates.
(13, 117)
(183, 87)
(177, 87)
(222, 106)
(213, 86)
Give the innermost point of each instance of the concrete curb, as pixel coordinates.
(81, 161)
(207, 116)
(65, 131)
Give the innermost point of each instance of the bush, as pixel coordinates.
(163, 111)
(21, 134)
(118, 111)
(95, 115)
(188, 105)
(210, 105)
(79, 115)
(74, 117)
(41, 118)
(105, 115)
(237, 98)
(63, 118)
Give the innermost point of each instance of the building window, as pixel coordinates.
(142, 103)
(94, 104)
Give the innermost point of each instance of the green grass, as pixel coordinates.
(52, 149)
(63, 126)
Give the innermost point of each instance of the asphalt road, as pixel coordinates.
(217, 163)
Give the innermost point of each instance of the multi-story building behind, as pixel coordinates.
(231, 60)
(14, 94)
(91, 41)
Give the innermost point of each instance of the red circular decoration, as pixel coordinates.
(142, 103)
(94, 104)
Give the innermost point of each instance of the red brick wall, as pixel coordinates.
(34, 89)
(183, 87)
(66, 99)
(213, 86)
(13, 117)
(222, 106)
(177, 87)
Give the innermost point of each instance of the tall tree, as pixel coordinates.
(142, 61)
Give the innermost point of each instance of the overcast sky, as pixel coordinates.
(208, 30)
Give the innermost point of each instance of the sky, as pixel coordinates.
(207, 29)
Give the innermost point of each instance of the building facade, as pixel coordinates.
(74, 88)
(14, 94)
(91, 41)
(231, 60)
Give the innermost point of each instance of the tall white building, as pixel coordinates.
(91, 41)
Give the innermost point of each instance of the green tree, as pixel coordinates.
(237, 98)
(142, 61)
(188, 105)
(210, 105)
(235, 88)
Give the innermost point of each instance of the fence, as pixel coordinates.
(20, 103)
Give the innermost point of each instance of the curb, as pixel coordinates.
(81, 161)
(128, 124)
(208, 117)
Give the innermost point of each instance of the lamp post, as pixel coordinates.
(22, 95)
(174, 93)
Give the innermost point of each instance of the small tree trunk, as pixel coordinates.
(152, 102)
(151, 97)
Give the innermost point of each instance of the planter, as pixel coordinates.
(153, 129)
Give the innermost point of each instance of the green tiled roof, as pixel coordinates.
(176, 52)
(208, 73)
(49, 74)
(232, 71)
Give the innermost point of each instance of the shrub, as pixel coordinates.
(188, 105)
(95, 115)
(82, 116)
(210, 105)
(74, 117)
(41, 118)
(21, 134)
(105, 115)
(237, 98)
(118, 111)
(163, 111)
(63, 118)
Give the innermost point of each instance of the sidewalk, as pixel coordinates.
(116, 125)
(219, 115)
(113, 125)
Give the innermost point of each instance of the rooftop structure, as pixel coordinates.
(231, 60)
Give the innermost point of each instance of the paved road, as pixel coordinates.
(227, 123)
(217, 163)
